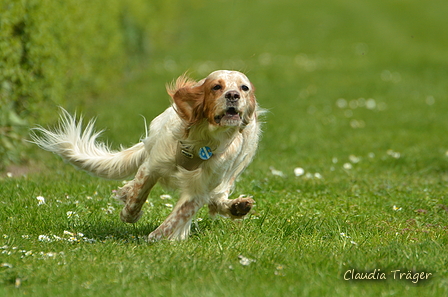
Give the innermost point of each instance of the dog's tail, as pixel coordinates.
(81, 149)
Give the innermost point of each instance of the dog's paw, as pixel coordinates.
(155, 236)
(119, 195)
(241, 206)
(128, 217)
(165, 232)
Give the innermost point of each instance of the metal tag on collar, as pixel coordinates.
(205, 153)
(187, 154)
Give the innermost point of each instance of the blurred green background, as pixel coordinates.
(338, 77)
(302, 56)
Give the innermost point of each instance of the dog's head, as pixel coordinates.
(225, 98)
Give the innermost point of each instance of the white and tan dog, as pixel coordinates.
(199, 145)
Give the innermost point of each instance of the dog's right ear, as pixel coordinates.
(189, 103)
(188, 98)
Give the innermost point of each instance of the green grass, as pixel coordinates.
(378, 201)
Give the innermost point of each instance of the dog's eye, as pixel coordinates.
(244, 88)
(217, 87)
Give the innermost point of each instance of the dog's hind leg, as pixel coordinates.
(177, 224)
(135, 193)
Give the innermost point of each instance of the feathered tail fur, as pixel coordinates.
(81, 149)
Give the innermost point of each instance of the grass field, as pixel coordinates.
(357, 98)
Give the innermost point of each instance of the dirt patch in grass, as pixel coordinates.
(18, 170)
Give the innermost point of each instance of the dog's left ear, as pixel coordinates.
(189, 103)
(250, 112)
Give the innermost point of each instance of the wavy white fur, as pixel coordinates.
(82, 149)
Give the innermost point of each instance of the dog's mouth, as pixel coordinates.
(231, 117)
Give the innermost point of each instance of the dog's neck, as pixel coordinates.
(189, 158)
(202, 143)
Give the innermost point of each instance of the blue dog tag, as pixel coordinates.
(205, 153)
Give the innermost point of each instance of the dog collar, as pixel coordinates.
(187, 158)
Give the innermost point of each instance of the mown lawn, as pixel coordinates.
(357, 98)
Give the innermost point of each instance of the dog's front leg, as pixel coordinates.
(177, 224)
(135, 193)
(231, 208)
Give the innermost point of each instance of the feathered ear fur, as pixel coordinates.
(251, 108)
(188, 98)
(181, 82)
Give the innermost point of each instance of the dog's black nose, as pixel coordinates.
(232, 96)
